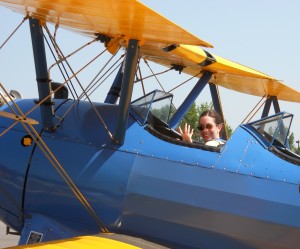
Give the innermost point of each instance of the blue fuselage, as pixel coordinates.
(241, 196)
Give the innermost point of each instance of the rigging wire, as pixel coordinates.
(54, 38)
(112, 71)
(94, 82)
(63, 58)
(55, 163)
(52, 92)
(254, 109)
(184, 82)
(75, 102)
(24, 19)
(153, 74)
(54, 44)
(60, 69)
(80, 85)
(141, 78)
(84, 93)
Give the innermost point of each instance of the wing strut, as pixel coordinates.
(114, 92)
(126, 91)
(270, 100)
(42, 76)
(190, 99)
(217, 105)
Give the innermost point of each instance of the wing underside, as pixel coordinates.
(159, 40)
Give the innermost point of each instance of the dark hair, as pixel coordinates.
(215, 115)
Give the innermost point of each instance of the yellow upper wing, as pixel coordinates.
(130, 19)
(114, 18)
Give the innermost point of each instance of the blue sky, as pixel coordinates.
(263, 35)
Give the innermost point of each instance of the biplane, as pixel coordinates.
(77, 171)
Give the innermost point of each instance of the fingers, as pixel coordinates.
(192, 132)
(180, 131)
(187, 129)
(187, 133)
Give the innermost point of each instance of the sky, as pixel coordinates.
(263, 35)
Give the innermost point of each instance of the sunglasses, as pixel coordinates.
(207, 126)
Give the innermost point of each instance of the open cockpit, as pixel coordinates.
(273, 132)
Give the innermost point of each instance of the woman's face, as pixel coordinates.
(208, 128)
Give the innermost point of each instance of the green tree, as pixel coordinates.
(297, 150)
(291, 140)
(228, 130)
(163, 113)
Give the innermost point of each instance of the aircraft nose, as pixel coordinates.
(14, 161)
(10, 199)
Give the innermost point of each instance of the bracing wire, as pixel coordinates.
(24, 19)
(90, 91)
(71, 90)
(184, 82)
(255, 111)
(52, 92)
(80, 85)
(64, 58)
(142, 80)
(153, 74)
(55, 163)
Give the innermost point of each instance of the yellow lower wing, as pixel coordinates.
(86, 242)
(105, 241)
(227, 73)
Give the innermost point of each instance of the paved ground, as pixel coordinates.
(7, 240)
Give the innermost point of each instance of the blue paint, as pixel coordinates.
(176, 195)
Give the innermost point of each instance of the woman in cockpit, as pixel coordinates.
(210, 127)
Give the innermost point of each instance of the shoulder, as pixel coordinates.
(215, 142)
